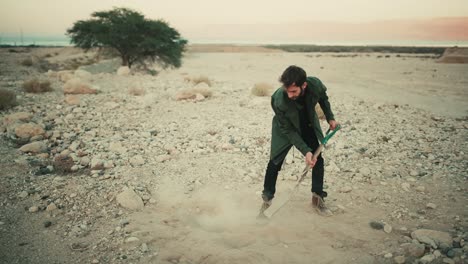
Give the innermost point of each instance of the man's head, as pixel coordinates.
(294, 81)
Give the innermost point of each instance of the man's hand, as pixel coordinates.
(309, 159)
(332, 124)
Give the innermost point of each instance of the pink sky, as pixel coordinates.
(292, 20)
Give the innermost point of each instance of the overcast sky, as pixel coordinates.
(55, 16)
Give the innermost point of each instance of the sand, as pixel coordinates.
(198, 165)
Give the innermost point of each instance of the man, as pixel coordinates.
(296, 124)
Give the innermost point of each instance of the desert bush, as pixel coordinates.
(27, 62)
(262, 89)
(37, 86)
(205, 92)
(7, 99)
(136, 91)
(190, 94)
(63, 164)
(199, 79)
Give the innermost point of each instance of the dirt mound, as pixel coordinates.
(454, 55)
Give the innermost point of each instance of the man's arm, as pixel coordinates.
(325, 104)
(326, 107)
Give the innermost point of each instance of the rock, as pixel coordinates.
(427, 259)
(51, 207)
(28, 130)
(97, 164)
(74, 146)
(420, 188)
(16, 117)
(130, 200)
(413, 249)
(137, 160)
(131, 239)
(83, 74)
(437, 236)
(448, 261)
(123, 71)
(117, 147)
(23, 194)
(387, 228)
(346, 189)
(431, 206)
(199, 97)
(76, 86)
(163, 158)
(84, 161)
(35, 147)
(47, 224)
(365, 171)
(72, 100)
(33, 209)
(388, 255)
(144, 247)
(376, 225)
(400, 259)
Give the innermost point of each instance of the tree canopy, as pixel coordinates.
(133, 36)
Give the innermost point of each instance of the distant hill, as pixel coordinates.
(436, 29)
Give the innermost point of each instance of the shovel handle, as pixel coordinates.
(317, 151)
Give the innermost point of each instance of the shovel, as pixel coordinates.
(266, 205)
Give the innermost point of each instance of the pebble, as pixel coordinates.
(387, 228)
(376, 225)
(144, 247)
(431, 206)
(388, 255)
(427, 259)
(132, 239)
(33, 209)
(420, 188)
(346, 189)
(51, 207)
(23, 194)
(448, 261)
(400, 259)
(47, 224)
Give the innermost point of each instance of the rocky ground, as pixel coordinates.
(130, 173)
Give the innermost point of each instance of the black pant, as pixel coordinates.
(269, 186)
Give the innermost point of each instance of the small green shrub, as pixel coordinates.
(37, 86)
(27, 62)
(7, 99)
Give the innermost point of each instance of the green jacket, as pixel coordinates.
(286, 130)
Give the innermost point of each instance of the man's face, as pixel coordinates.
(295, 91)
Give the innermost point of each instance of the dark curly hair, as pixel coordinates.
(293, 75)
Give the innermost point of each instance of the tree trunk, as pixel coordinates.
(125, 61)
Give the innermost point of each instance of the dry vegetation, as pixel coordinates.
(7, 99)
(191, 94)
(136, 91)
(28, 62)
(262, 89)
(199, 79)
(37, 86)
